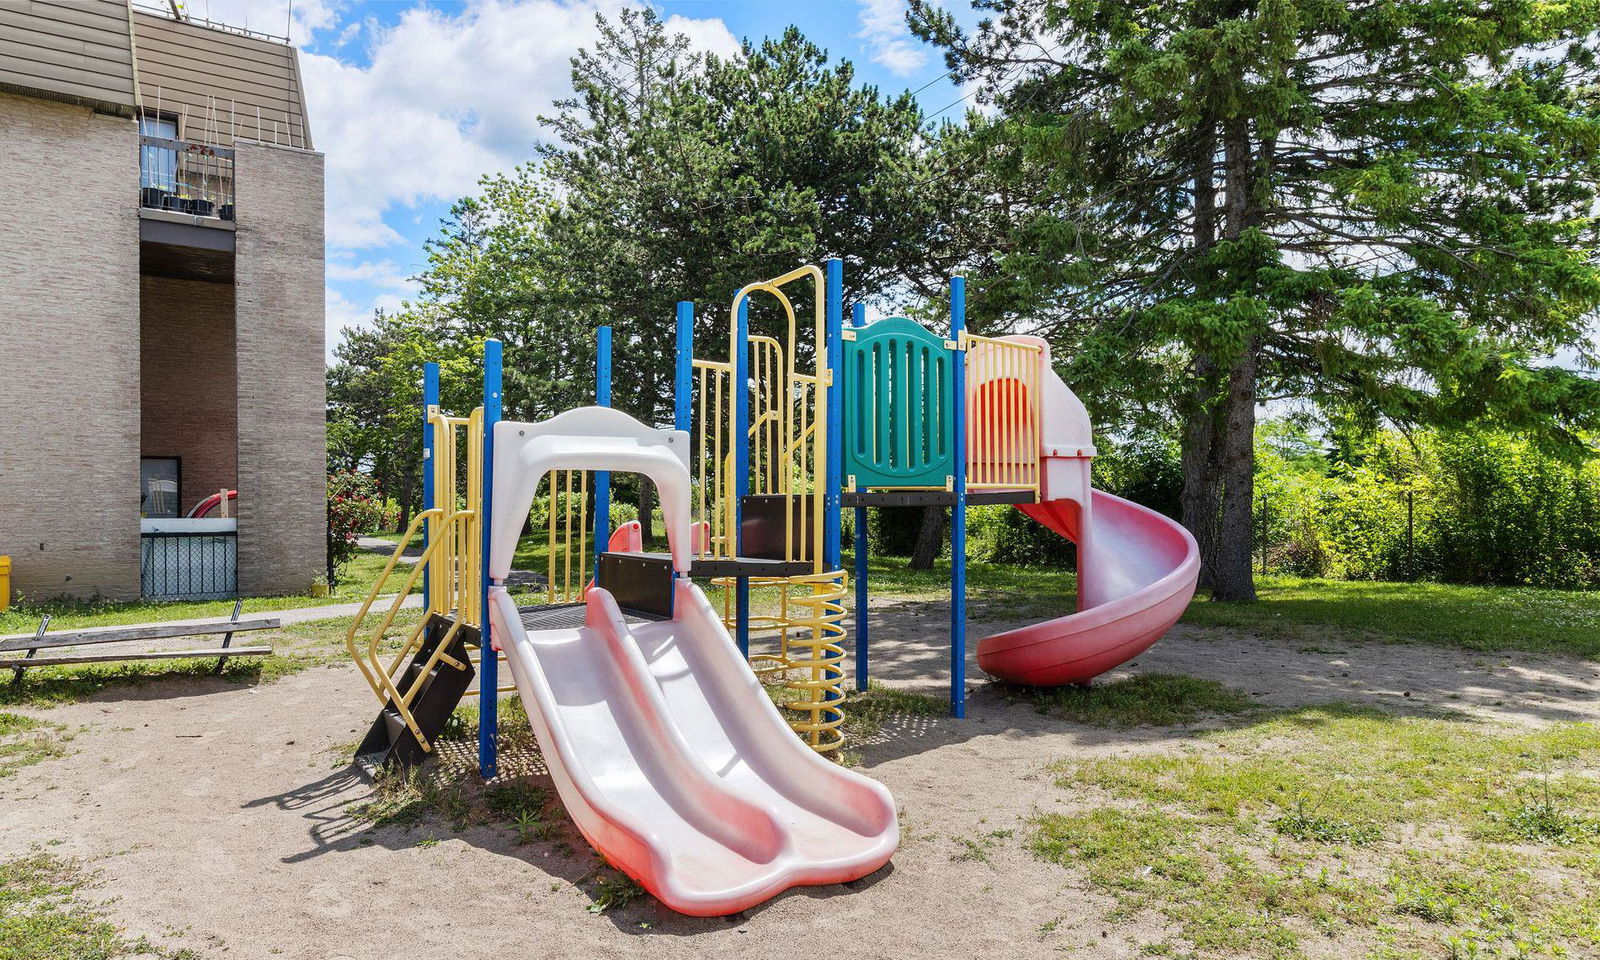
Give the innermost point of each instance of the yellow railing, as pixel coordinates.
(713, 450)
(1002, 400)
(565, 528)
(453, 561)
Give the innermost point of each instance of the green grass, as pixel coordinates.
(1425, 836)
(1472, 618)
(613, 890)
(296, 647)
(1148, 699)
(865, 713)
(1310, 612)
(25, 741)
(1014, 588)
(41, 917)
(23, 616)
(979, 848)
(449, 791)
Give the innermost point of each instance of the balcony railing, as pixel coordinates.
(185, 177)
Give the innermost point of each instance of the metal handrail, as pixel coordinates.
(452, 557)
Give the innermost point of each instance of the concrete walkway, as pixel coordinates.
(386, 547)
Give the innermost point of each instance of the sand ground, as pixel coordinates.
(218, 815)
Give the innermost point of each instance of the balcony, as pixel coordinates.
(185, 178)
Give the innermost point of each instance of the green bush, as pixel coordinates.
(1147, 469)
(1468, 507)
(1004, 534)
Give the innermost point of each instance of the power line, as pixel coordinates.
(947, 75)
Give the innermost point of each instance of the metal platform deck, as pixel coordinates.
(568, 616)
(931, 498)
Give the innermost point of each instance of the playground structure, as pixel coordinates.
(647, 699)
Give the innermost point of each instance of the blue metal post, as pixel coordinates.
(741, 466)
(488, 659)
(958, 512)
(602, 478)
(833, 323)
(833, 417)
(683, 376)
(683, 371)
(858, 318)
(430, 403)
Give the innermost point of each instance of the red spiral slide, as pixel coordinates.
(1137, 568)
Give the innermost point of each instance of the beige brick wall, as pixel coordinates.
(187, 389)
(278, 310)
(69, 348)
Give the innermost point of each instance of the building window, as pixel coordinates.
(158, 166)
(158, 486)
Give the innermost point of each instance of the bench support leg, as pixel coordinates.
(16, 672)
(227, 638)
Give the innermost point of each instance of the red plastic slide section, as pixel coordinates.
(210, 503)
(1137, 571)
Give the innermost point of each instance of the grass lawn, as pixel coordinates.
(1472, 618)
(296, 647)
(42, 916)
(23, 617)
(1409, 837)
(1299, 609)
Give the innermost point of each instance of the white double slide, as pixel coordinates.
(669, 756)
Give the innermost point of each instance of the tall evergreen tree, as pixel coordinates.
(1384, 208)
(684, 176)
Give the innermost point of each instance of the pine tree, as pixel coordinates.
(1382, 208)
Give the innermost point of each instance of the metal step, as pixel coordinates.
(390, 742)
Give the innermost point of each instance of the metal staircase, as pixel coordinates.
(420, 684)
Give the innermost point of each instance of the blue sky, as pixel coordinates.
(411, 102)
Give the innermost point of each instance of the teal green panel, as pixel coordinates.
(897, 418)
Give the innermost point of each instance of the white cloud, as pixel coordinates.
(340, 312)
(888, 38)
(383, 273)
(446, 98)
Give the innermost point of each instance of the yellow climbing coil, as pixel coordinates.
(815, 667)
(806, 627)
(450, 556)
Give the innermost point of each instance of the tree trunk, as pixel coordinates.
(647, 506)
(1219, 481)
(1219, 427)
(929, 538)
(407, 493)
(1233, 574)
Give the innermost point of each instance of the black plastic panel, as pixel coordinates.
(390, 741)
(638, 581)
(762, 530)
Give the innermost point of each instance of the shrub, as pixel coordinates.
(354, 506)
(1464, 507)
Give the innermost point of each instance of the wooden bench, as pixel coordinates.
(149, 631)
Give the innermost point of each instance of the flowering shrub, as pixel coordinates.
(354, 505)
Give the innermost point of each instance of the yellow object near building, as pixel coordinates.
(5, 583)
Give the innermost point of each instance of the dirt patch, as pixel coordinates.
(223, 819)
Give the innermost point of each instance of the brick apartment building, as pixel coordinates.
(161, 306)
